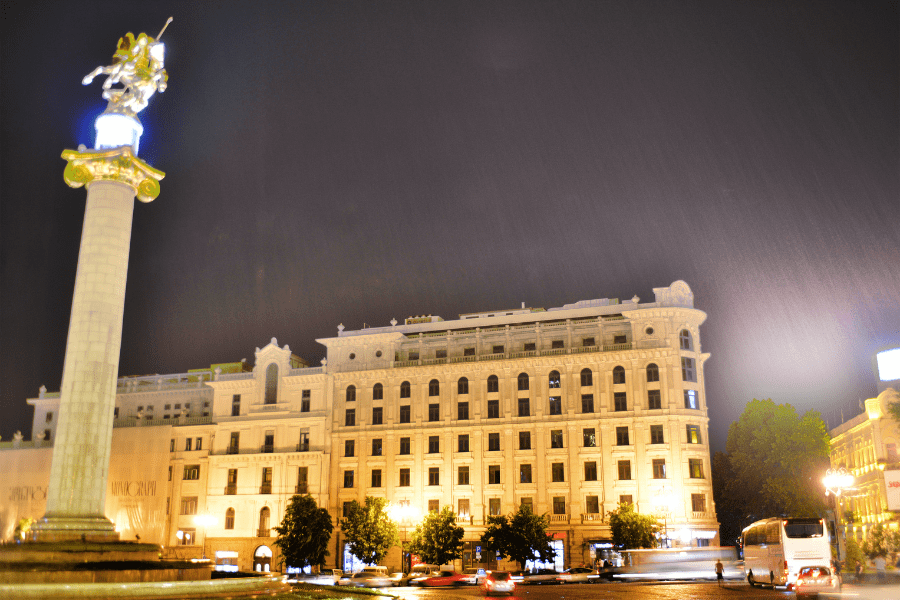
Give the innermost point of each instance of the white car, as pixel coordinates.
(578, 575)
(366, 579)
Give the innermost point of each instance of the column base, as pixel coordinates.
(62, 528)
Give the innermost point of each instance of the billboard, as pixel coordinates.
(892, 487)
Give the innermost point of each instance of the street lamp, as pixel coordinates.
(404, 514)
(835, 482)
(204, 521)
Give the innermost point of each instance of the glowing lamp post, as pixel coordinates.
(204, 521)
(835, 482)
(404, 514)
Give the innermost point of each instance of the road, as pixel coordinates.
(640, 591)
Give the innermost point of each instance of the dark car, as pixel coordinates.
(500, 583)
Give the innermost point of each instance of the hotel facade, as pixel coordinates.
(570, 410)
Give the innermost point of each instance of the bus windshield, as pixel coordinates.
(796, 528)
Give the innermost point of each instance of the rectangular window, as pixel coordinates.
(404, 478)
(462, 443)
(695, 467)
(440, 353)
(305, 401)
(235, 443)
(434, 412)
(620, 339)
(494, 474)
(559, 505)
(524, 407)
(269, 441)
(527, 502)
(413, 355)
(198, 445)
(187, 444)
(698, 502)
(493, 442)
(590, 471)
(556, 438)
(302, 480)
(626, 499)
(587, 403)
(494, 506)
(690, 399)
(404, 445)
(656, 434)
(49, 417)
(588, 342)
(462, 476)
(524, 440)
(524, 473)
(348, 479)
(376, 447)
(529, 347)
(376, 478)
(266, 486)
(191, 472)
(622, 436)
(589, 436)
(654, 399)
(350, 417)
(659, 468)
(592, 505)
(468, 351)
(497, 349)
(434, 476)
(189, 505)
(235, 405)
(693, 434)
(558, 472)
(345, 511)
(172, 445)
(349, 447)
(434, 505)
(377, 415)
(555, 405)
(170, 472)
(557, 344)
(621, 401)
(404, 413)
(493, 411)
(232, 477)
(303, 444)
(624, 470)
(434, 444)
(463, 508)
(688, 372)
(462, 411)
(188, 537)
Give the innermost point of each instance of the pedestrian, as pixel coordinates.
(879, 568)
(720, 571)
(837, 569)
(859, 570)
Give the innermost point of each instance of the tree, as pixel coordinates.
(369, 530)
(438, 539)
(521, 536)
(773, 466)
(854, 553)
(881, 541)
(304, 533)
(631, 529)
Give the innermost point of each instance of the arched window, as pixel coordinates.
(619, 374)
(686, 342)
(351, 393)
(272, 384)
(554, 379)
(462, 386)
(434, 388)
(264, 521)
(405, 389)
(493, 384)
(652, 372)
(587, 377)
(523, 381)
(229, 518)
(377, 392)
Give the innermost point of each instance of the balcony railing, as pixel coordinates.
(301, 488)
(231, 489)
(232, 450)
(303, 447)
(262, 533)
(700, 516)
(596, 517)
(267, 448)
(465, 519)
(265, 488)
(559, 518)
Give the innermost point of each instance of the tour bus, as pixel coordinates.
(776, 549)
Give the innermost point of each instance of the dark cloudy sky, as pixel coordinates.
(350, 162)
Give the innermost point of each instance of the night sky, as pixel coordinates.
(353, 162)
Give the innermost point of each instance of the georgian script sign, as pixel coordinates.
(27, 493)
(133, 489)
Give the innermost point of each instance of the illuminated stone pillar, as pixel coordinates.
(76, 497)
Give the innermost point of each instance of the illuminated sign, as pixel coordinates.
(892, 486)
(888, 364)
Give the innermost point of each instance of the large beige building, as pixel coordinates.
(571, 410)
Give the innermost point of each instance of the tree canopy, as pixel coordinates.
(773, 466)
(631, 529)
(521, 536)
(304, 533)
(438, 539)
(369, 530)
(881, 541)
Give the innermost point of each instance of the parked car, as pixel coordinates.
(537, 576)
(420, 573)
(474, 576)
(500, 583)
(367, 579)
(578, 575)
(812, 581)
(397, 579)
(445, 578)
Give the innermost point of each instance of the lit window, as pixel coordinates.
(695, 467)
(690, 399)
(494, 506)
(229, 518)
(693, 435)
(189, 505)
(698, 502)
(590, 437)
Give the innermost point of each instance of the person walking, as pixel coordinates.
(859, 570)
(879, 568)
(720, 571)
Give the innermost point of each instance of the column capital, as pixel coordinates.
(118, 164)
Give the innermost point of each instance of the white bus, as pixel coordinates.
(776, 549)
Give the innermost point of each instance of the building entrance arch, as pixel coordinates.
(262, 559)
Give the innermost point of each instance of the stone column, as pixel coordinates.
(76, 497)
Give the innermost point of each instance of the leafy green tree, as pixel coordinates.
(773, 466)
(521, 536)
(631, 529)
(438, 539)
(22, 528)
(304, 533)
(881, 541)
(854, 553)
(369, 530)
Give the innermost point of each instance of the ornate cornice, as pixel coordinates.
(119, 164)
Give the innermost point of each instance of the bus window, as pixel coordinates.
(796, 528)
(773, 533)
